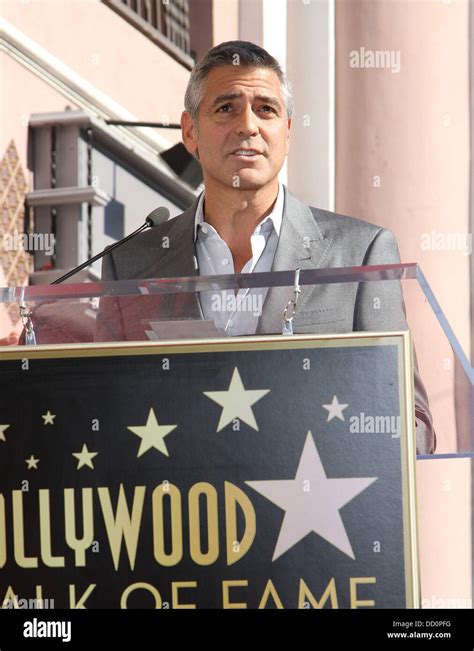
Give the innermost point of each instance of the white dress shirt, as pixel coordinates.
(236, 314)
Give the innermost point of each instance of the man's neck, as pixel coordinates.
(236, 213)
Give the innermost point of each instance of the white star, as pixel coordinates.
(85, 457)
(32, 463)
(48, 418)
(311, 502)
(152, 435)
(335, 409)
(2, 430)
(236, 402)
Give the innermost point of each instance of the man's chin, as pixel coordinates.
(248, 179)
(244, 178)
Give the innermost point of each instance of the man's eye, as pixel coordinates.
(268, 109)
(224, 109)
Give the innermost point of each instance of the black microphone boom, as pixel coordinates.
(155, 218)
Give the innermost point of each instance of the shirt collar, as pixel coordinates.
(276, 216)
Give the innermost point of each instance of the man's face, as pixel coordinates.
(242, 132)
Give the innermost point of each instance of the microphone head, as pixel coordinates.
(157, 216)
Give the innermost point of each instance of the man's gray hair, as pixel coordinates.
(233, 53)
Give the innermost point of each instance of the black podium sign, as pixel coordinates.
(250, 473)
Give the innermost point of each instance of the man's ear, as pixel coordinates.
(188, 132)
(288, 133)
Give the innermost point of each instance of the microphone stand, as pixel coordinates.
(99, 255)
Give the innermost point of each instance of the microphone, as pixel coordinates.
(155, 218)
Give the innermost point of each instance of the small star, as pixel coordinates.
(152, 434)
(2, 429)
(237, 402)
(85, 457)
(32, 463)
(48, 418)
(335, 409)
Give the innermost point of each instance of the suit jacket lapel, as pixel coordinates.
(301, 245)
(178, 258)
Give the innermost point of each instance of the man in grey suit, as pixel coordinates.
(237, 123)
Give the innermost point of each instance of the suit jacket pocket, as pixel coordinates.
(321, 315)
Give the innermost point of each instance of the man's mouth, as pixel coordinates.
(247, 153)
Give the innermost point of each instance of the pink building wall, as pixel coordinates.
(411, 129)
(105, 50)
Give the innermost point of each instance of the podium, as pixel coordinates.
(152, 471)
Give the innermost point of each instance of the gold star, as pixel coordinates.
(85, 457)
(237, 402)
(2, 429)
(152, 434)
(48, 418)
(32, 463)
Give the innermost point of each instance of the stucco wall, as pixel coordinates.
(402, 159)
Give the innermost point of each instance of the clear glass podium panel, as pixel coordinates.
(328, 301)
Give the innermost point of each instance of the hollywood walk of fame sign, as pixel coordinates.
(214, 474)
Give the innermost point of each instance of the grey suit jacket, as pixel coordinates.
(309, 238)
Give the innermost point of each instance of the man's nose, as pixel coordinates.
(247, 123)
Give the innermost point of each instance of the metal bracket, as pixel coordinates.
(291, 306)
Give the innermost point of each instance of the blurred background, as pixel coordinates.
(383, 131)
